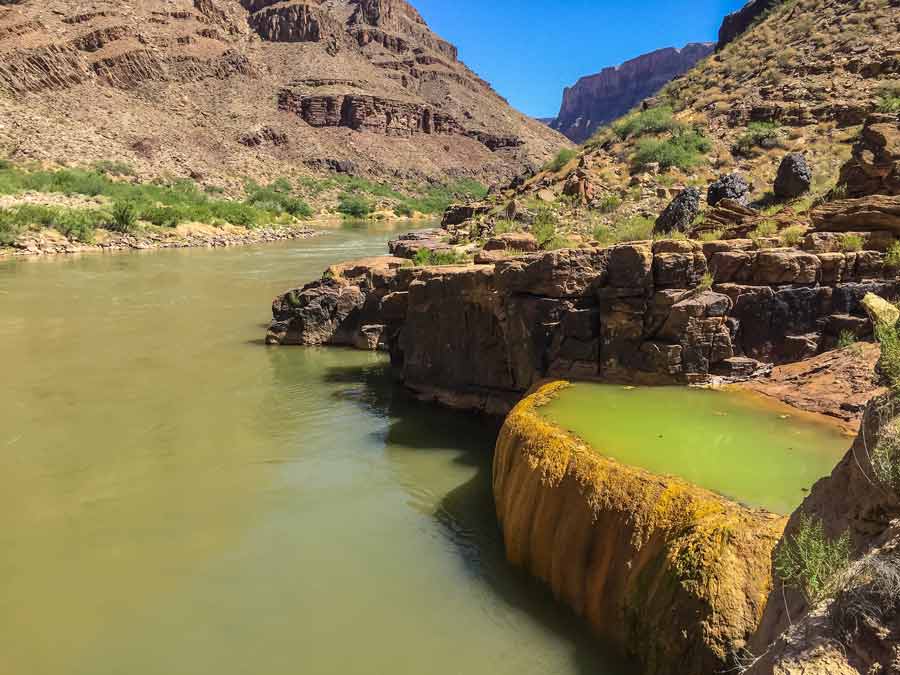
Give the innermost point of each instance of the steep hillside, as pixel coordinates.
(599, 99)
(801, 78)
(222, 89)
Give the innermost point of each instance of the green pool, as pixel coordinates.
(758, 453)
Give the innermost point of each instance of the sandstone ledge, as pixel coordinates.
(675, 574)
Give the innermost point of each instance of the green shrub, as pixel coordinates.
(892, 258)
(652, 121)
(354, 206)
(124, 217)
(712, 235)
(114, 168)
(846, 339)
(889, 99)
(792, 235)
(544, 226)
(562, 158)
(765, 230)
(811, 562)
(682, 150)
(634, 228)
(758, 134)
(889, 361)
(706, 283)
(609, 204)
(9, 232)
(506, 226)
(851, 243)
(885, 458)
(427, 258)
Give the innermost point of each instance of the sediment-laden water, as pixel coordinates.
(176, 498)
(755, 451)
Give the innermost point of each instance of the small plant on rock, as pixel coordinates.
(812, 562)
(427, 258)
(846, 339)
(892, 258)
(792, 236)
(850, 243)
(706, 283)
(765, 230)
(869, 596)
(562, 158)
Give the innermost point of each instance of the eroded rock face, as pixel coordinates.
(738, 22)
(848, 501)
(479, 336)
(864, 214)
(875, 166)
(613, 543)
(597, 99)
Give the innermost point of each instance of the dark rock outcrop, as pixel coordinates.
(598, 99)
(794, 177)
(733, 186)
(680, 213)
(737, 22)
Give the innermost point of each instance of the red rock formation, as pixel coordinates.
(598, 99)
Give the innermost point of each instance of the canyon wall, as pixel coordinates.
(675, 574)
(173, 86)
(598, 99)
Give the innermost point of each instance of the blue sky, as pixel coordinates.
(529, 49)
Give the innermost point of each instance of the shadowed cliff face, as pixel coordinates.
(599, 99)
(674, 573)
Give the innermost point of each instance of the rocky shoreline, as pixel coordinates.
(49, 243)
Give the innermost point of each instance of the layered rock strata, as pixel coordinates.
(598, 99)
(480, 336)
(675, 573)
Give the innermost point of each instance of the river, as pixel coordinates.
(178, 499)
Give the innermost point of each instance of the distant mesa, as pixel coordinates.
(598, 99)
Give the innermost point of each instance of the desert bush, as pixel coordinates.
(868, 596)
(851, 242)
(634, 228)
(706, 283)
(114, 168)
(712, 235)
(758, 135)
(609, 204)
(792, 236)
(124, 217)
(652, 121)
(562, 158)
(544, 227)
(846, 339)
(764, 230)
(812, 562)
(889, 98)
(892, 258)
(682, 150)
(427, 258)
(889, 361)
(354, 206)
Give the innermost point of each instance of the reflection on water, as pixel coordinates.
(176, 498)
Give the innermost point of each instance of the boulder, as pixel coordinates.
(880, 311)
(512, 241)
(457, 214)
(864, 214)
(794, 177)
(733, 186)
(680, 213)
(408, 245)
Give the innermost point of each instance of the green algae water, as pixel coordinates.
(754, 451)
(178, 499)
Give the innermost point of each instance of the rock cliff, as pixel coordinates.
(598, 99)
(480, 336)
(231, 88)
(675, 574)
